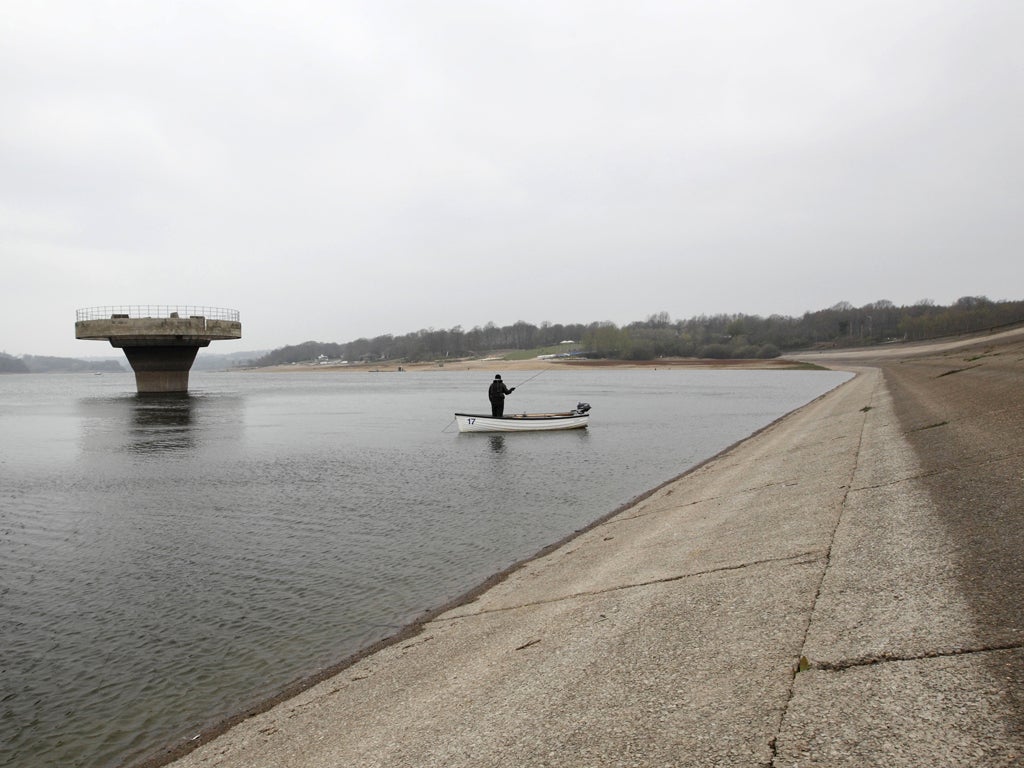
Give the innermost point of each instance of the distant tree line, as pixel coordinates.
(10, 364)
(39, 364)
(705, 336)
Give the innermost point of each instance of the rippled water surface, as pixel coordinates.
(167, 561)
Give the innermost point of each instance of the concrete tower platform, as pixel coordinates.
(160, 342)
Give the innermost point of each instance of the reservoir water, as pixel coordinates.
(168, 561)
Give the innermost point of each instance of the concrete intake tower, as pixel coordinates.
(160, 342)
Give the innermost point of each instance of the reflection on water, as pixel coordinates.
(182, 424)
(161, 423)
(525, 439)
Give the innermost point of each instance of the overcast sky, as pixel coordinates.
(343, 169)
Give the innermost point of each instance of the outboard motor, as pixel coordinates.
(582, 408)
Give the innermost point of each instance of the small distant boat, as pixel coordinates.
(524, 422)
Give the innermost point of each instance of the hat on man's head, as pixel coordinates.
(497, 375)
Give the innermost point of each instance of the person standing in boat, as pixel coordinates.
(496, 394)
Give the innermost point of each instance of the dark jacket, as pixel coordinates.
(498, 390)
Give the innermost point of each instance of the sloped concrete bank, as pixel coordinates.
(844, 588)
(917, 642)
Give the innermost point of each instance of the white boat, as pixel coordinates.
(524, 422)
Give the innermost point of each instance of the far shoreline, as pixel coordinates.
(539, 364)
(802, 360)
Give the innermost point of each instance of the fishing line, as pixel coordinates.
(543, 370)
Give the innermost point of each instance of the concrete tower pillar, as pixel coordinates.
(160, 342)
(162, 369)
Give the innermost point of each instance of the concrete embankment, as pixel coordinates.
(842, 589)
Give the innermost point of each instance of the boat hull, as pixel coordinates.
(525, 422)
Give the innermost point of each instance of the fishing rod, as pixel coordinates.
(538, 373)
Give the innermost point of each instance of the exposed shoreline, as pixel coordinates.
(536, 364)
(798, 360)
(236, 747)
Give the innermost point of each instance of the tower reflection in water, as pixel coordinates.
(161, 423)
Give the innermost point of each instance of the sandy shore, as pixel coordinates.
(844, 588)
(536, 364)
